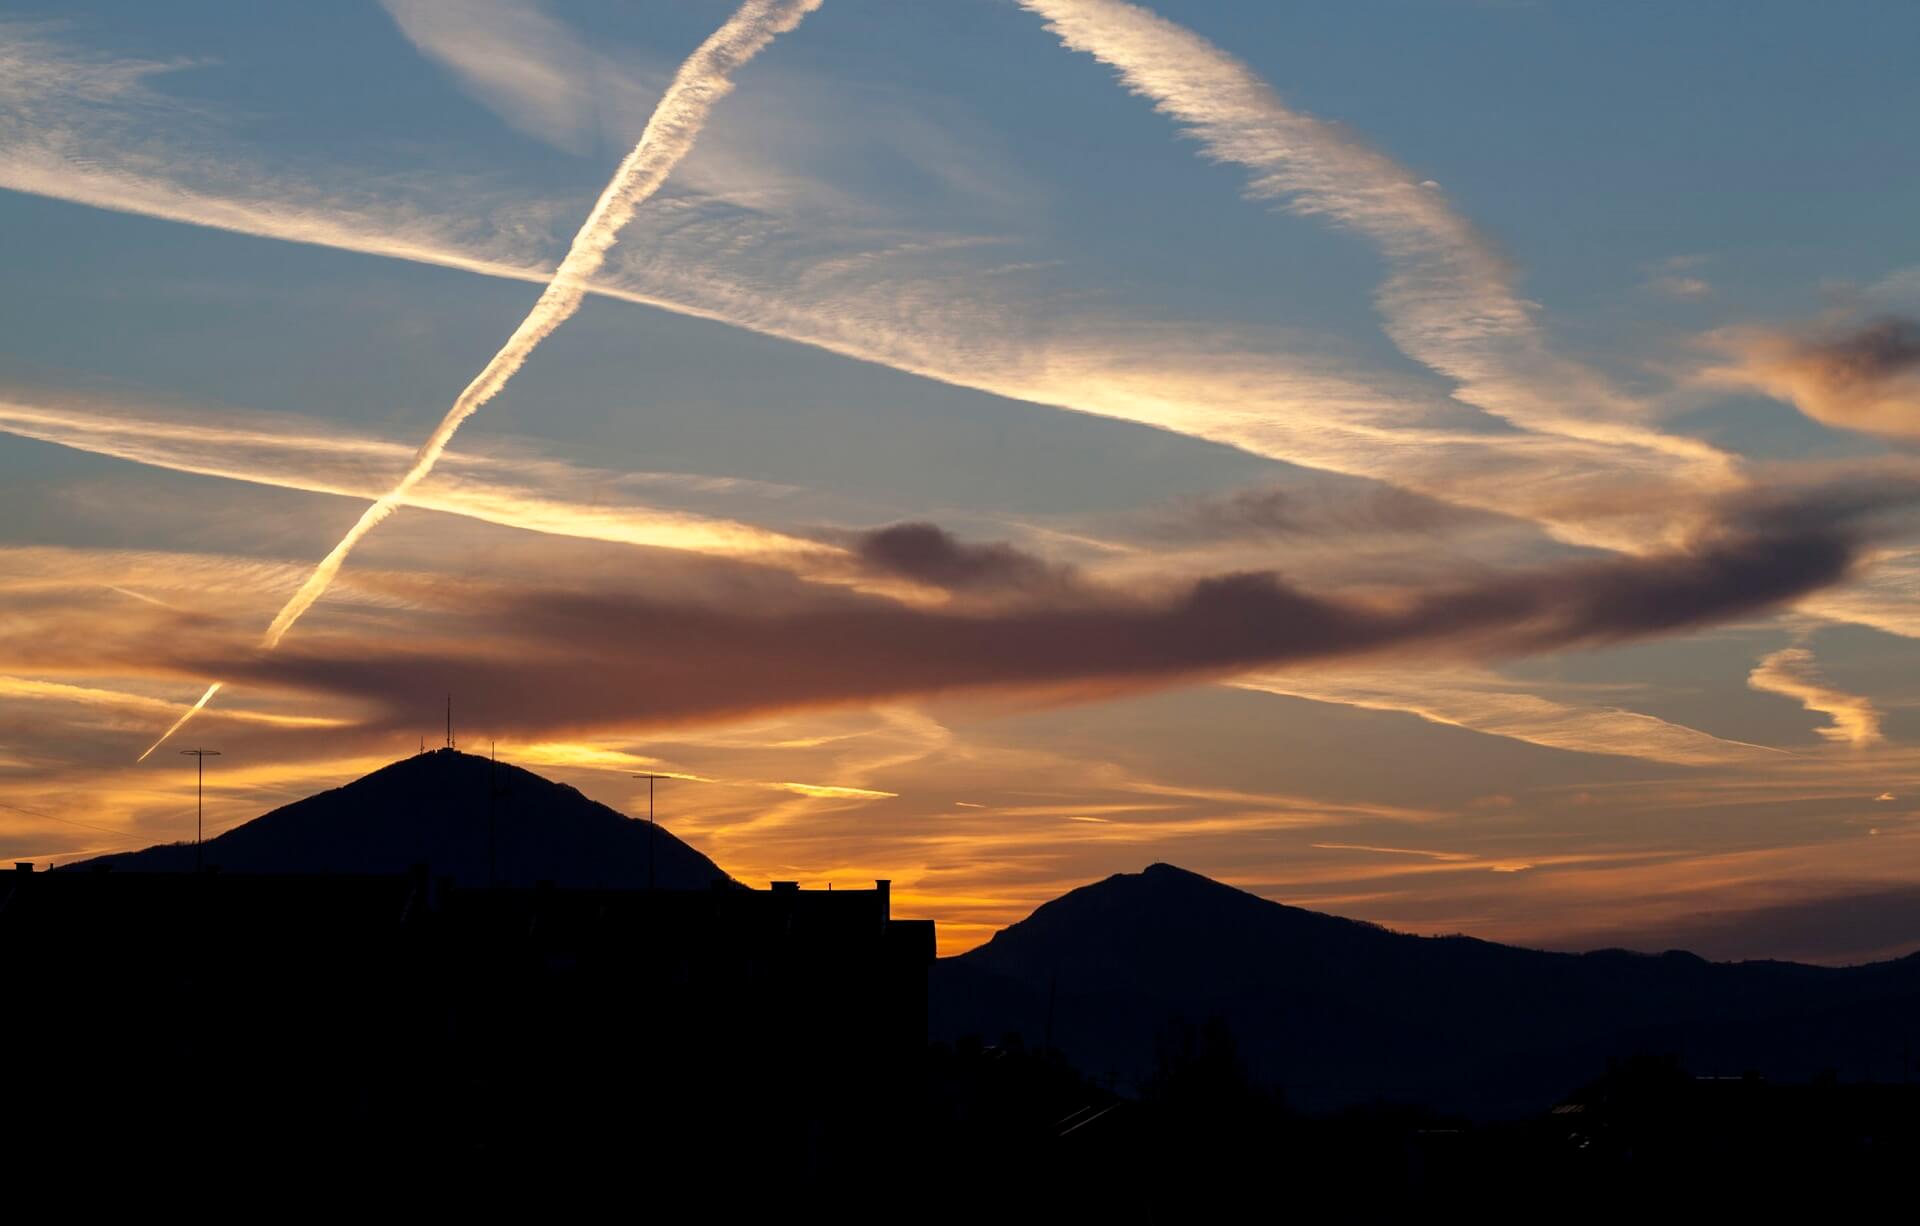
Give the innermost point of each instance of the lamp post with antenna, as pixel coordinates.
(200, 757)
(652, 837)
(493, 824)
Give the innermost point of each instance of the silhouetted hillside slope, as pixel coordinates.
(433, 809)
(1338, 1012)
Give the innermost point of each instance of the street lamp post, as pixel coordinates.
(653, 838)
(200, 757)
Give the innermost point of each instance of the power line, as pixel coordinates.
(56, 818)
(128, 838)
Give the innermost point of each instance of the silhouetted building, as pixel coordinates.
(372, 1020)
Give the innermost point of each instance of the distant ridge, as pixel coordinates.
(433, 809)
(1336, 1012)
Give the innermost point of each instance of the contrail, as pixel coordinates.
(701, 82)
(1450, 299)
(180, 723)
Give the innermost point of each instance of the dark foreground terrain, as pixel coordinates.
(1344, 1014)
(582, 1010)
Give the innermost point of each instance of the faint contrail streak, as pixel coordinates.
(701, 82)
(182, 721)
(1450, 299)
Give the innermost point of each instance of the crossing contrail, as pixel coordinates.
(188, 714)
(702, 81)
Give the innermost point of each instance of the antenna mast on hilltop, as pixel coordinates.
(653, 838)
(449, 721)
(200, 757)
(493, 827)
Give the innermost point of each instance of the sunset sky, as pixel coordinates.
(1445, 463)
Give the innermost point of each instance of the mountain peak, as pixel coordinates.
(1340, 1012)
(1173, 876)
(1162, 868)
(464, 816)
(1165, 923)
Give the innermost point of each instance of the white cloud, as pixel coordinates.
(525, 492)
(1449, 301)
(938, 305)
(515, 59)
(1485, 703)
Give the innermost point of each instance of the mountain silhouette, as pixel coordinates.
(1336, 1012)
(435, 809)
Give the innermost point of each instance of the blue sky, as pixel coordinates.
(1452, 296)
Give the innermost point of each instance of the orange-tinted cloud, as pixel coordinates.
(1866, 378)
(1792, 673)
(541, 659)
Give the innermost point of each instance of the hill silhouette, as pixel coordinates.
(435, 809)
(1337, 1012)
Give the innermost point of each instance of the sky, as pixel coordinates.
(1449, 464)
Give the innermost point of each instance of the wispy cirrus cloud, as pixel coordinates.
(526, 492)
(927, 303)
(1886, 596)
(1680, 276)
(1443, 564)
(516, 59)
(1792, 672)
(1449, 300)
(701, 82)
(1485, 703)
(124, 703)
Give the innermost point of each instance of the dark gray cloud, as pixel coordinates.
(928, 554)
(1271, 513)
(550, 660)
(1864, 378)
(1877, 350)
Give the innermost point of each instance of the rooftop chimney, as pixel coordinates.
(884, 887)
